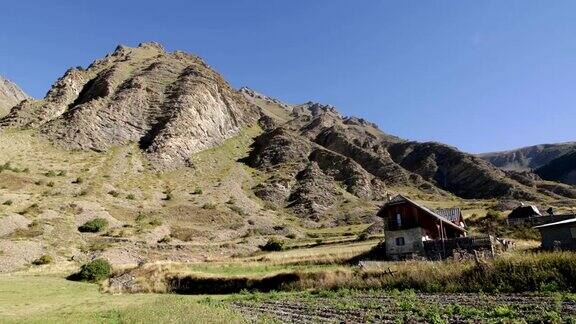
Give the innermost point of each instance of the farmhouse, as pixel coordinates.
(408, 225)
(559, 235)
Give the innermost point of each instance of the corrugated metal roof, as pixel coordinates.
(566, 221)
(451, 214)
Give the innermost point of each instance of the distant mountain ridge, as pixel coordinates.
(530, 157)
(10, 96)
(553, 162)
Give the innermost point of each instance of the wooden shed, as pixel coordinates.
(559, 235)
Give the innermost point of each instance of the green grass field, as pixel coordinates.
(50, 299)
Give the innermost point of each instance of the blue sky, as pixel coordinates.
(479, 75)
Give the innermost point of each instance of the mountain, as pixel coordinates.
(313, 141)
(561, 169)
(183, 167)
(172, 104)
(10, 96)
(528, 158)
(553, 162)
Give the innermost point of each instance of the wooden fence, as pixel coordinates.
(447, 248)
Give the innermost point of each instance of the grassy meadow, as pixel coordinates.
(417, 290)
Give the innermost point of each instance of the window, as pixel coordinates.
(399, 220)
(400, 241)
(573, 232)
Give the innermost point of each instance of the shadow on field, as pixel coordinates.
(196, 285)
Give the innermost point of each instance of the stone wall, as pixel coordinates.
(412, 244)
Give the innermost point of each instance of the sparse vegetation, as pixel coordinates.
(44, 259)
(94, 226)
(237, 210)
(165, 239)
(494, 223)
(209, 206)
(273, 245)
(53, 173)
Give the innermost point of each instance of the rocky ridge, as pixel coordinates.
(554, 162)
(171, 104)
(10, 96)
(348, 155)
(530, 157)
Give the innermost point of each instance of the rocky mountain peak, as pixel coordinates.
(171, 104)
(10, 96)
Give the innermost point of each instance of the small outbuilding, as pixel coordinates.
(525, 211)
(559, 235)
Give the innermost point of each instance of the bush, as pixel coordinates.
(198, 191)
(272, 245)
(493, 215)
(45, 259)
(165, 239)
(209, 206)
(94, 271)
(237, 210)
(93, 226)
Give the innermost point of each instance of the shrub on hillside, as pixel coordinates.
(94, 226)
(272, 245)
(45, 259)
(94, 271)
(197, 191)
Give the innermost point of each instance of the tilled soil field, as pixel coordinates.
(406, 307)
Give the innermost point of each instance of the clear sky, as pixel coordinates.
(480, 75)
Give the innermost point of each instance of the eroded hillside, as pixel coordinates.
(183, 167)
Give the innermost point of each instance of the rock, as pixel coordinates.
(172, 104)
(10, 96)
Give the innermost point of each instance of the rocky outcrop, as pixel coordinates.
(10, 96)
(314, 193)
(172, 104)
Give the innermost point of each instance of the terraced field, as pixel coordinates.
(380, 307)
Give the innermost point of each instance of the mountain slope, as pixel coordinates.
(562, 169)
(172, 104)
(314, 139)
(238, 167)
(528, 158)
(10, 96)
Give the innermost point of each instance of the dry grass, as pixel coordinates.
(527, 272)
